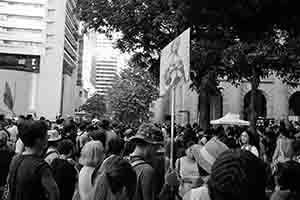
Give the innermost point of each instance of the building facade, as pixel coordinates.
(105, 63)
(106, 71)
(275, 100)
(39, 57)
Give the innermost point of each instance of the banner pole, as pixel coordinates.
(172, 127)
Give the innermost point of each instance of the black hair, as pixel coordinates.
(105, 124)
(115, 146)
(82, 126)
(22, 117)
(288, 176)
(31, 131)
(69, 127)
(42, 118)
(2, 117)
(65, 147)
(251, 137)
(296, 147)
(119, 174)
(98, 135)
(29, 117)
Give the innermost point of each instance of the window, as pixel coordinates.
(3, 17)
(20, 62)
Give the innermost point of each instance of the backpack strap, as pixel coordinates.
(6, 131)
(12, 178)
(137, 163)
(179, 168)
(50, 152)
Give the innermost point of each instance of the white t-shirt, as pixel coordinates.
(200, 193)
(251, 148)
(85, 182)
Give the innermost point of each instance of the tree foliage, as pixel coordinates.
(132, 94)
(234, 40)
(95, 105)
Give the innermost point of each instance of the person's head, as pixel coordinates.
(92, 154)
(296, 147)
(237, 175)
(115, 146)
(98, 135)
(105, 124)
(65, 147)
(189, 139)
(42, 118)
(287, 176)
(82, 126)
(118, 175)
(34, 136)
(69, 129)
(53, 138)
(29, 117)
(286, 133)
(3, 139)
(246, 138)
(147, 140)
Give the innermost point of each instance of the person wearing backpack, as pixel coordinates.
(64, 171)
(147, 141)
(52, 153)
(30, 177)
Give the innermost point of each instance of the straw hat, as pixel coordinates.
(53, 136)
(207, 155)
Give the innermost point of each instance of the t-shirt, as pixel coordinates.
(200, 193)
(145, 188)
(25, 177)
(65, 176)
(6, 156)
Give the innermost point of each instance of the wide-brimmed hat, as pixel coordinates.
(207, 155)
(53, 136)
(148, 133)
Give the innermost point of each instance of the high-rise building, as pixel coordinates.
(39, 57)
(105, 62)
(106, 71)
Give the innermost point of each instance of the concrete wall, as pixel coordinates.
(50, 79)
(21, 88)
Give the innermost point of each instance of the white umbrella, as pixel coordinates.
(230, 119)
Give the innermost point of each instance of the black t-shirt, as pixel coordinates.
(5, 159)
(25, 177)
(65, 176)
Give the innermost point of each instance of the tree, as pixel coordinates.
(95, 105)
(225, 36)
(131, 95)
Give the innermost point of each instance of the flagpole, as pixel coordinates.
(172, 126)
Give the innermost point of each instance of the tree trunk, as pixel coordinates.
(254, 87)
(204, 109)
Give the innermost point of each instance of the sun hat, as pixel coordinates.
(148, 133)
(207, 155)
(53, 136)
(95, 121)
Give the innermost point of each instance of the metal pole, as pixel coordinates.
(172, 127)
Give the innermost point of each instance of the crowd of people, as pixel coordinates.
(72, 159)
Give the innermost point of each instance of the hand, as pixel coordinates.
(172, 178)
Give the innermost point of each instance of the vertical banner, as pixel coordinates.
(174, 67)
(175, 62)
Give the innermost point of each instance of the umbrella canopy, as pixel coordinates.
(230, 119)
